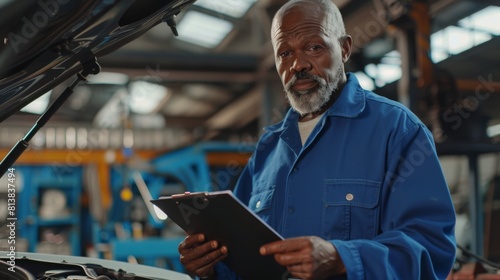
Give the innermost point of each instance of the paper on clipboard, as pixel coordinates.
(222, 217)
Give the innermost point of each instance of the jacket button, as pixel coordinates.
(349, 196)
(257, 205)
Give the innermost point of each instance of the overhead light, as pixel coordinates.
(365, 81)
(387, 71)
(457, 39)
(484, 20)
(454, 40)
(493, 130)
(392, 57)
(471, 31)
(112, 113)
(145, 97)
(108, 78)
(231, 8)
(437, 56)
(39, 105)
(204, 30)
(388, 74)
(371, 70)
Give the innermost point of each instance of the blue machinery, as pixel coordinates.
(71, 229)
(201, 167)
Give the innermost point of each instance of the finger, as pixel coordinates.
(297, 258)
(302, 275)
(284, 246)
(218, 256)
(191, 240)
(298, 271)
(202, 265)
(198, 251)
(273, 248)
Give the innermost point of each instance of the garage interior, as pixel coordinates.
(169, 114)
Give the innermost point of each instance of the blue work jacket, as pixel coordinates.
(367, 179)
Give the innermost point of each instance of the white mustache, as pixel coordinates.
(301, 76)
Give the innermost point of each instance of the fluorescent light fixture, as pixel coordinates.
(438, 56)
(471, 31)
(365, 81)
(454, 40)
(145, 97)
(39, 105)
(461, 39)
(392, 57)
(438, 47)
(110, 115)
(387, 71)
(108, 78)
(484, 20)
(493, 130)
(371, 70)
(204, 30)
(233, 8)
(457, 39)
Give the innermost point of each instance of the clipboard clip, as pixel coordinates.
(195, 195)
(181, 194)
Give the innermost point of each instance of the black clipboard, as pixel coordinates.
(222, 217)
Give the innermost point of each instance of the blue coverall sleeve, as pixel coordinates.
(416, 239)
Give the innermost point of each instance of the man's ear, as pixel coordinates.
(346, 45)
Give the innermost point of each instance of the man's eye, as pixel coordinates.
(284, 54)
(315, 48)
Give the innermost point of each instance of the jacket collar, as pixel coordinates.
(350, 104)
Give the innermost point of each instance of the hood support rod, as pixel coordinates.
(90, 66)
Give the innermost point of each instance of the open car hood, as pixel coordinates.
(44, 42)
(31, 266)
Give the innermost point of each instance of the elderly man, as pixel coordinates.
(349, 178)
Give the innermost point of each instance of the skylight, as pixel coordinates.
(471, 31)
(454, 40)
(493, 130)
(39, 105)
(204, 30)
(145, 97)
(485, 20)
(233, 8)
(108, 78)
(365, 81)
(387, 71)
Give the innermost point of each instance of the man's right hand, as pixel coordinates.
(199, 256)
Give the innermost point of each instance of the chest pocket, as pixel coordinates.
(351, 208)
(260, 203)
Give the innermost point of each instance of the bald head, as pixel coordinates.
(324, 9)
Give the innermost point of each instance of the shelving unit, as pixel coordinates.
(49, 209)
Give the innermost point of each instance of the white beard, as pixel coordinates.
(310, 101)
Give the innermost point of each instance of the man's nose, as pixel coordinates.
(300, 64)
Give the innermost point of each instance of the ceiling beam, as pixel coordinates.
(238, 113)
(185, 76)
(180, 61)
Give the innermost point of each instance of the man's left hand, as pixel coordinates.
(306, 257)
